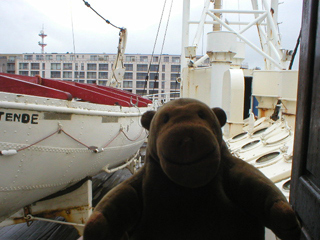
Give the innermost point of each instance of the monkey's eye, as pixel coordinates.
(166, 118)
(201, 115)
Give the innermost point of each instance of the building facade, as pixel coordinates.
(163, 71)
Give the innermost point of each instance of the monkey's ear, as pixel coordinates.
(221, 115)
(147, 118)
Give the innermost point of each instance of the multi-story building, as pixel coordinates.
(163, 71)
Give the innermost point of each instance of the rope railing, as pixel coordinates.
(60, 130)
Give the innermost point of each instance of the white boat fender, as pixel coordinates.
(8, 152)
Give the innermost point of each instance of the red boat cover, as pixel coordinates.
(65, 90)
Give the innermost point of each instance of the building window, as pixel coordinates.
(163, 76)
(92, 81)
(55, 74)
(49, 57)
(102, 82)
(23, 65)
(24, 73)
(78, 74)
(153, 84)
(175, 85)
(163, 84)
(43, 66)
(92, 66)
(154, 76)
(67, 74)
(28, 57)
(34, 73)
(10, 66)
(82, 66)
(76, 66)
(103, 66)
(67, 66)
(91, 75)
(103, 75)
(127, 84)
(72, 57)
(35, 65)
(140, 92)
(155, 59)
(55, 66)
(130, 58)
(154, 68)
(140, 84)
(153, 91)
(129, 67)
(60, 57)
(175, 68)
(141, 75)
(143, 59)
(174, 76)
(39, 57)
(128, 75)
(93, 57)
(103, 58)
(166, 59)
(174, 95)
(12, 58)
(176, 59)
(163, 68)
(142, 67)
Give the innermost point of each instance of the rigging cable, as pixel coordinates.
(73, 40)
(295, 51)
(107, 21)
(154, 46)
(163, 41)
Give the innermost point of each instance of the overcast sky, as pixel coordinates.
(22, 20)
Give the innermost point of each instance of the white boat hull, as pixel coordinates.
(49, 144)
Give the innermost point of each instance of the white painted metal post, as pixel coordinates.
(217, 5)
(272, 30)
(221, 48)
(185, 32)
(201, 23)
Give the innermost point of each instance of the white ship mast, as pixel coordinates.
(265, 19)
(222, 83)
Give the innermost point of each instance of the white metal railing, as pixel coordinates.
(161, 98)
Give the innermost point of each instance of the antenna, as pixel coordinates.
(42, 44)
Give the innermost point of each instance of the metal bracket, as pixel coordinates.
(134, 105)
(27, 215)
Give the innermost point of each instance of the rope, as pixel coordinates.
(163, 41)
(75, 139)
(132, 140)
(112, 139)
(154, 46)
(38, 141)
(94, 149)
(107, 21)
